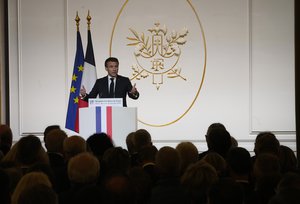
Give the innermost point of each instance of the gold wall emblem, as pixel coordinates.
(157, 54)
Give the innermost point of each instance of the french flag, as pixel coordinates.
(117, 122)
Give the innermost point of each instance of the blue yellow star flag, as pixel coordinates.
(72, 121)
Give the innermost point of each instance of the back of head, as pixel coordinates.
(118, 189)
(116, 160)
(188, 154)
(197, 179)
(266, 142)
(266, 165)
(239, 160)
(130, 143)
(83, 168)
(168, 162)
(226, 190)
(54, 140)
(217, 161)
(73, 145)
(99, 143)
(29, 180)
(147, 154)
(218, 139)
(5, 138)
(49, 129)
(30, 151)
(287, 158)
(289, 181)
(141, 138)
(37, 194)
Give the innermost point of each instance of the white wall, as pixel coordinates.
(238, 63)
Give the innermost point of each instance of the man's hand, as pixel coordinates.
(133, 90)
(83, 92)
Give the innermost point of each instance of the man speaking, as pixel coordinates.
(112, 85)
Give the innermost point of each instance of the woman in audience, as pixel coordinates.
(27, 181)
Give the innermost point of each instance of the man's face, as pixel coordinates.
(112, 69)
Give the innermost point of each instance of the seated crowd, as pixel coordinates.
(71, 169)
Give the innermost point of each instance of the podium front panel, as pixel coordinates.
(117, 122)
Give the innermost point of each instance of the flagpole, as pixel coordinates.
(77, 19)
(89, 18)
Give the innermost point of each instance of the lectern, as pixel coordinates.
(116, 121)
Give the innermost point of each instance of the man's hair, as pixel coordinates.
(54, 140)
(73, 145)
(266, 142)
(83, 168)
(111, 59)
(141, 139)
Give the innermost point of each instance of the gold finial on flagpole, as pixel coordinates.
(77, 19)
(89, 18)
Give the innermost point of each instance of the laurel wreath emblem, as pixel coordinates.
(157, 54)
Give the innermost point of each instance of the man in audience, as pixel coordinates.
(5, 138)
(168, 188)
(83, 171)
(218, 140)
(73, 145)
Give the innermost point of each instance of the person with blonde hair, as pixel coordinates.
(27, 181)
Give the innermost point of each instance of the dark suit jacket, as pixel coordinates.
(123, 87)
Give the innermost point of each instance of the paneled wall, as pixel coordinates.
(236, 62)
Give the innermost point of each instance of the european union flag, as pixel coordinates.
(72, 122)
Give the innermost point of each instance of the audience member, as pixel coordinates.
(130, 143)
(49, 129)
(197, 180)
(30, 151)
(118, 189)
(240, 167)
(266, 142)
(72, 146)
(27, 181)
(6, 137)
(142, 184)
(99, 143)
(38, 194)
(147, 160)
(188, 155)
(83, 170)
(115, 160)
(141, 139)
(266, 171)
(218, 162)
(225, 190)
(218, 140)
(54, 145)
(288, 160)
(168, 188)
(288, 190)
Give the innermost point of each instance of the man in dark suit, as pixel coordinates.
(112, 85)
